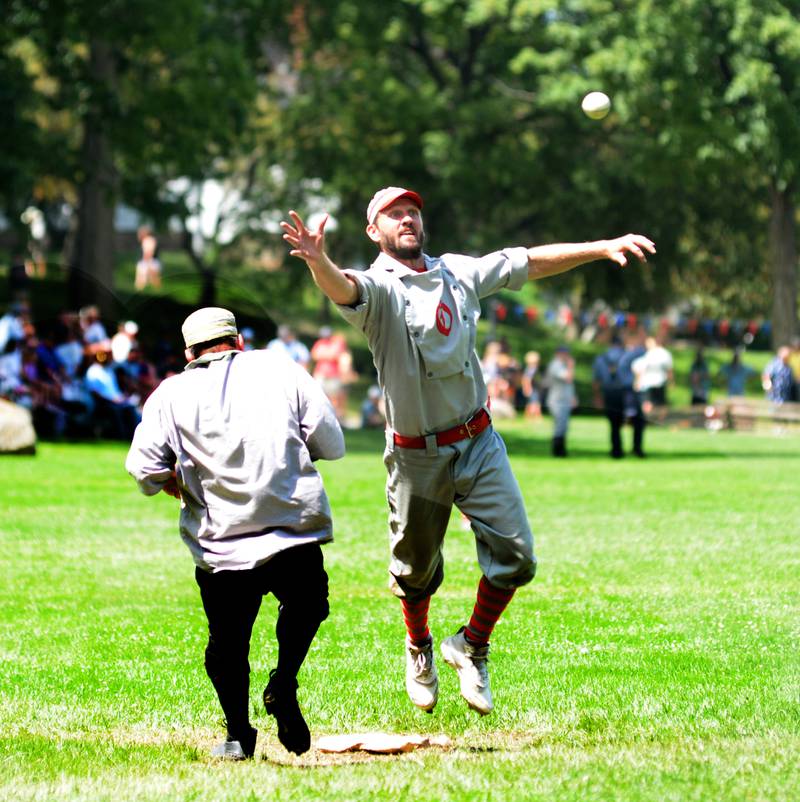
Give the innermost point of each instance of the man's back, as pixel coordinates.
(243, 430)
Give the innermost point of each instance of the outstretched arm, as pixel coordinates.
(549, 260)
(310, 247)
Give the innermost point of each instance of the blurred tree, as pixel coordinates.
(155, 90)
(476, 104)
(719, 83)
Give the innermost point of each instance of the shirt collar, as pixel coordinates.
(392, 265)
(213, 356)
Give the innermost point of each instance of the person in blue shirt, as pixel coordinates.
(777, 379)
(736, 374)
(612, 380)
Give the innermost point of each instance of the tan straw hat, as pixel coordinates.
(208, 323)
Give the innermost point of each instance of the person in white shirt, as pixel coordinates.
(653, 374)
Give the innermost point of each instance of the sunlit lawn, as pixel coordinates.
(655, 657)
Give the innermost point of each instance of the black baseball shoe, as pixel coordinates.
(241, 748)
(280, 701)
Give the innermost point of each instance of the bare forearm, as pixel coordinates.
(550, 260)
(332, 281)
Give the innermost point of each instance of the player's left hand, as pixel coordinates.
(618, 249)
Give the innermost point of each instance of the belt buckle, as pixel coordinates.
(469, 426)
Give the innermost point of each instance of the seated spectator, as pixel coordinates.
(333, 368)
(137, 376)
(12, 385)
(116, 413)
(12, 324)
(123, 341)
(93, 331)
(287, 343)
(530, 383)
(372, 413)
(502, 376)
(248, 335)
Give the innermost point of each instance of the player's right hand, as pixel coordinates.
(307, 245)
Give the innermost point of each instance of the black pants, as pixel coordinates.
(231, 599)
(621, 407)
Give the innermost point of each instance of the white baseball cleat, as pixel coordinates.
(473, 673)
(422, 681)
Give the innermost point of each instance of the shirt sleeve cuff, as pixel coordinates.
(518, 259)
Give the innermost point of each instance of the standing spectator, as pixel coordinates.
(333, 368)
(736, 374)
(699, 378)
(235, 437)
(614, 392)
(777, 379)
(287, 343)
(794, 364)
(561, 397)
(531, 385)
(653, 373)
(148, 268)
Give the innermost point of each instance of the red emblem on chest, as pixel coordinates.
(444, 318)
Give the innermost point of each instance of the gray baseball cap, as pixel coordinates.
(208, 323)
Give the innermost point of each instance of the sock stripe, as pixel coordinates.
(490, 603)
(415, 616)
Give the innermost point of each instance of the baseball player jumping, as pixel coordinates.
(420, 315)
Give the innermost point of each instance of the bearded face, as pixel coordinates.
(404, 244)
(400, 232)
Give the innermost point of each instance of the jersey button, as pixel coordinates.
(430, 375)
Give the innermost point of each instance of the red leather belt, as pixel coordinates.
(472, 428)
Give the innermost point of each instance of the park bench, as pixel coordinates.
(750, 414)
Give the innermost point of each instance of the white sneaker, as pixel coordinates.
(473, 673)
(422, 681)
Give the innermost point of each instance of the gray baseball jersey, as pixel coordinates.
(421, 329)
(242, 431)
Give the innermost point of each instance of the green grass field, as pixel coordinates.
(655, 657)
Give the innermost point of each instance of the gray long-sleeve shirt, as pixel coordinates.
(241, 431)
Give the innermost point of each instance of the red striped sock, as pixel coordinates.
(415, 614)
(489, 607)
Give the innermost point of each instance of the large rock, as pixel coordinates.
(17, 435)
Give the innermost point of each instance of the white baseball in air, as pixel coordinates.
(596, 105)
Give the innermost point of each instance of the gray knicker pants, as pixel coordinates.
(423, 485)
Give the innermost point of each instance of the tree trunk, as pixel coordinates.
(91, 279)
(208, 290)
(783, 246)
(207, 273)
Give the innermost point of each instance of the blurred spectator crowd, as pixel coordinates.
(80, 380)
